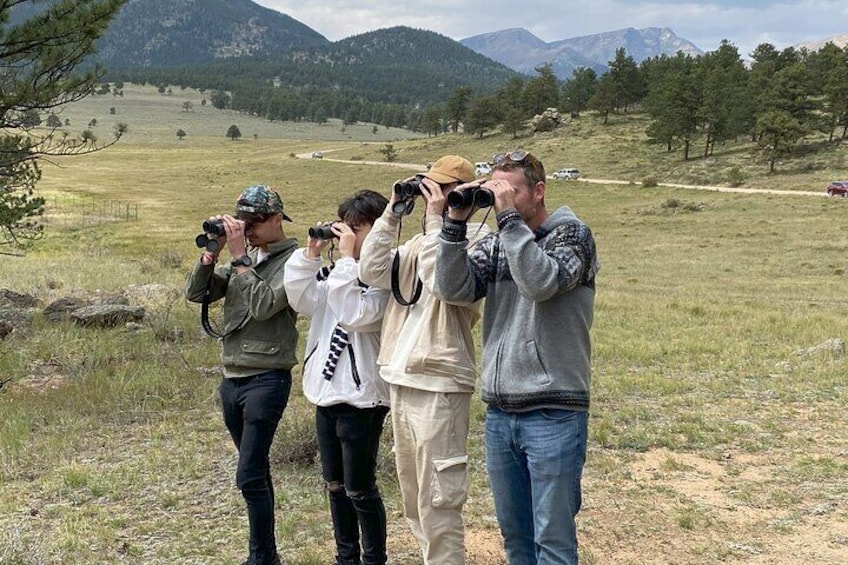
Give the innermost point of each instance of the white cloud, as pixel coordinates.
(744, 23)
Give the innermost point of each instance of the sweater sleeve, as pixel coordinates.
(541, 272)
(462, 274)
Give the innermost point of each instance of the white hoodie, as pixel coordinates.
(339, 300)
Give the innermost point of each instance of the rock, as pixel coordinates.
(107, 315)
(17, 300)
(15, 319)
(60, 309)
(834, 346)
(548, 120)
(103, 298)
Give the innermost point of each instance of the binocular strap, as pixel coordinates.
(204, 316)
(416, 292)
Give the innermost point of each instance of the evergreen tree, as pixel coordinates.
(628, 86)
(603, 101)
(578, 90)
(483, 116)
(432, 121)
(541, 92)
(233, 132)
(40, 58)
(724, 83)
(456, 108)
(674, 101)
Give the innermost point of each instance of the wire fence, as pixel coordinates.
(79, 212)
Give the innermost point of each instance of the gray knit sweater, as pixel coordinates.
(540, 290)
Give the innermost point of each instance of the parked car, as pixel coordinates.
(838, 188)
(317, 155)
(482, 169)
(567, 174)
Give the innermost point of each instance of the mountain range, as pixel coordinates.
(172, 33)
(519, 49)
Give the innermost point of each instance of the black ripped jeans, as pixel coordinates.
(348, 440)
(252, 408)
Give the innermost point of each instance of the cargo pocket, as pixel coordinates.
(450, 482)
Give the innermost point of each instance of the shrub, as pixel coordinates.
(735, 177)
(650, 182)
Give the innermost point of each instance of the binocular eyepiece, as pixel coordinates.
(321, 232)
(478, 197)
(214, 227)
(408, 189)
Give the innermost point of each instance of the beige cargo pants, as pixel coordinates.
(430, 430)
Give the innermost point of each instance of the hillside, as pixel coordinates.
(398, 65)
(171, 33)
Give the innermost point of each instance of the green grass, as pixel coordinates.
(711, 439)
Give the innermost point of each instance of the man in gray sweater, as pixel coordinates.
(537, 274)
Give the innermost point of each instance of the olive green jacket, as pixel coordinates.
(259, 328)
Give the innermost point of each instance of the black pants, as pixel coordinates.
(348, 439)
(252, 408)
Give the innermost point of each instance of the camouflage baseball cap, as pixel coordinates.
(260, 200)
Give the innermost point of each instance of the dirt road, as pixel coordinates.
(420, 167)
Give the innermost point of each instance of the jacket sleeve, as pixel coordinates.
(356, 308)
(539, 273)
(377, 254)
(427, 253)
(265, 296)
(303, 289)
(195, 286)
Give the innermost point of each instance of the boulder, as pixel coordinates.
(14, 319)
(14, 299)
(107, 315)
(60, 309)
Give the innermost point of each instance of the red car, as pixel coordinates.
(838, 188)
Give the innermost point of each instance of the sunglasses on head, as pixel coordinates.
(519, 157)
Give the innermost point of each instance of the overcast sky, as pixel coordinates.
(745, 23)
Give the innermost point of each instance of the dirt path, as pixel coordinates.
(419, 167)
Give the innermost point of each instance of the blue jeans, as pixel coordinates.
(535, 464)
(252, 408)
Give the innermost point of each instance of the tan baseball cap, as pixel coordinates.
(451, 168)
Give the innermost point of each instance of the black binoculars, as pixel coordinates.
(478, 197)
(214, 227)
(408, 189)
(321, 232)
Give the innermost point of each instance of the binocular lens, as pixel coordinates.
(478, 197)
(321, 232)
(214, 227)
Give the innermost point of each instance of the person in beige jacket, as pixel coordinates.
(427, 357)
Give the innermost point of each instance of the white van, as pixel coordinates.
(482, 169)
(567, 174)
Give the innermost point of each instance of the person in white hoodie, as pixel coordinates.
(340, 374)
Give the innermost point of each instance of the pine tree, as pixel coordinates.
(40, 57)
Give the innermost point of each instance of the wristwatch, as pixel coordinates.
(243, 261)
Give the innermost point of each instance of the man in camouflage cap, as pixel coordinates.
(259, 343)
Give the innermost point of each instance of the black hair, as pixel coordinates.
(364, 207)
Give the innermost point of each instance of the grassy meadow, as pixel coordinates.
(716, 430)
